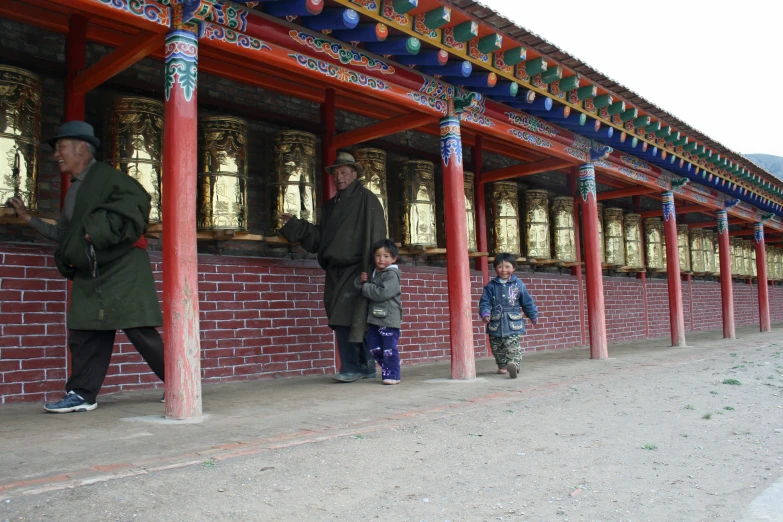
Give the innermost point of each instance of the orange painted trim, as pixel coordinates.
(527, 169)
(390, 126)
(622, 193)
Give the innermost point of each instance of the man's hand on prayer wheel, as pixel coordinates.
(285, 218)
(18, 206)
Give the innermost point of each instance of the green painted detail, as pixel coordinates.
(490, 43)
(513, 89)
(535, 66)
(583, 93)
(688, 147)
(551, 75)
(602, 101)
(641, 121)
(663, 131)
(634, 142)
(631, 114)
(413, 45)
(616, 108)
(582, 118)
(674, 136)
(714, 159)
(701, 151)
(403, 6)
(653, 126)
(465, 31)
(569, 84)
(680, 142)
(437, 18)
(515, 56)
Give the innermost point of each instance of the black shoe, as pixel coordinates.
(372, 375)
(71, 402)
(163, 398)
(347, 377)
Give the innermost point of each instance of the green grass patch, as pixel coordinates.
(707, 416)
(732, 382)
(649, 447)
(689, 407)
(728, 408)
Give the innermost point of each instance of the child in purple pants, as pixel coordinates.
(384, 315)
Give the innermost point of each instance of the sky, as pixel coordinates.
(715, 65)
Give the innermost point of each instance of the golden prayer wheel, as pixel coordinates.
(537, 245)
(654, 244)
(753, 269)
(683, 248)
(563, 238)
(615, 236)
(778, 263)
(20, 135)
(134, 145)
(293, 188)
(632, 225)
(772, 263)
(222, 174)
(735, 249)
(374, 177)
(470, 212)
(697, 250)
(709, 252)
(716, 247)
(416, 208)
(503, 205)
(601, 243)
(747, 250)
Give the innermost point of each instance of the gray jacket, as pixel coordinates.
(384, 294)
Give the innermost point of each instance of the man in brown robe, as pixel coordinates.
(350, 223)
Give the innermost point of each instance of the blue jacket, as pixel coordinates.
(504, 304)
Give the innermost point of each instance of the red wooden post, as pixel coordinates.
(463, 364)
(676, 317)
(595, 280)
(577, 270)
(328, 153)
(765, 324)
(180, 257)
(479, 203)
(75, 62)
(726, 287)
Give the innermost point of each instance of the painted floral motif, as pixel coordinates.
(449, 41)
(150, 11)
(479, 119)
(229, 15)
(450, 140)
(668, 205)
(635, 162)
(428, 101)
(604, 113)
(340, 73)
(633, 174)
(532, 124)
(531, 138)
(723, 222)
(700, 198)
(629, 126)
(589, 106)
(758, 232)
(181, 51)
(538, 82)
(521, 73)
(216, 32)
(473, 51)
(663, 183)
(345, 54)
(581, 143)
(554, 89)
(587, 181)
(437, 89)
(370, 5)
(603, 164)
(500, 64)
(578, 154)
(420, 28)
(390, 14)
(617, 120)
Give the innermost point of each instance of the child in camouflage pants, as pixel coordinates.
(501, 308)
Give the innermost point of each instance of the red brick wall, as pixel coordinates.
(263, 317)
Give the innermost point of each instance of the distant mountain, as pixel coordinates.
(773, 164)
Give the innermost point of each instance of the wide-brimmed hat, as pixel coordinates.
(343, 158)
(78, 130)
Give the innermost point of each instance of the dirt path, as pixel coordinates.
(652, 434)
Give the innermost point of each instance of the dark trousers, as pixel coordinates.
(382, 342)
(354, 357)
(91, 353)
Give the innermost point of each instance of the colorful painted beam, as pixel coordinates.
(527, 169)
(375, 32)
(394, 125)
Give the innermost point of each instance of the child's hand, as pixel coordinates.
(486, 319)
(364, 277)
(534, 321)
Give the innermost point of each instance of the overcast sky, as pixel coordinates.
(715, 65)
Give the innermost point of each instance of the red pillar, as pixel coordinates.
(577, 270)
(328, 154)
(595, 283)
(463, 364)
(479, 203)
(75, 62)
(180, 257)
(676, 316)
(726, 287)
(765, 324)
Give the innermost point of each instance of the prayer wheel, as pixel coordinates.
(416, 210)
(134, 145)
(737, 265)
(683, 248)
(696, 237)
(470, 212)
(716, 247)
(503, 210)
(753, 269)
(222, 174)
(20, 135)
(709, 252)
(563, 239)
(374, 177)
(601, 244)
(293, 188)
(615, 237)
(778, 262)
(537, 244)
(632, 227)
(747, 250)
(654, 244)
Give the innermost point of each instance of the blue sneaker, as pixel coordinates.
(71, 402)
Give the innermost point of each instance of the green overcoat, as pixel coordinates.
(343, 240)
(113, 208)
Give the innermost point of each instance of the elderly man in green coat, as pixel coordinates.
(351, 222)
(102, 249)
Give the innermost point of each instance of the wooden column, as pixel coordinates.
(726, 287)
(328, 153)
(765, 324)
(180, 258)
(595, 283)
(479, 203)
(577, 270)
(676, 316)
(75, 62)
(463, 364)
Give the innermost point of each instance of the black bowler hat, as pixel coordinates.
(77, 130)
